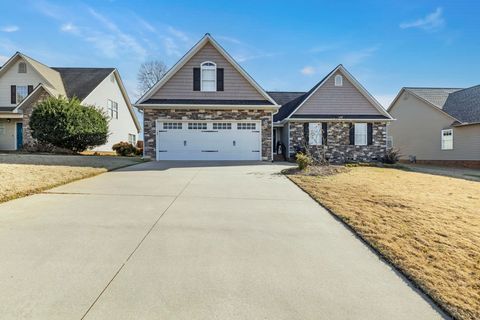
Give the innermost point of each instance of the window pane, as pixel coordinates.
(22, 92)
(315, 133)
(360, 134)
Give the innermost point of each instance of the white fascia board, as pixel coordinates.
(206, 106)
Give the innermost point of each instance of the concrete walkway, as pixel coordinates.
(205, 241)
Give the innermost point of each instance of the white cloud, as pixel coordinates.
(356, 57)
(324, 48)
(229, 39)
(247, 56)
(432, 21)
(178, 34)
(69, 28)
(171, 47)
(10, 28)
(308, 71)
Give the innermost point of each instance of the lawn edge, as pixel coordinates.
(54, 185)
(380, 255)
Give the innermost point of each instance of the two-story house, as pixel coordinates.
(24, 81)
(207, 107)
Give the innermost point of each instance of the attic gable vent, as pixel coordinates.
(22, 67)
(338, 80)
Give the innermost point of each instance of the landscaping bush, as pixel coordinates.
(391, 156)
(125, 149)
(303, 161)
(67, 124)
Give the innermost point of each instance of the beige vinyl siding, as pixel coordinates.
(417, 131)
(12, 77)
(8, 134)
(180, 85)
(344, 100)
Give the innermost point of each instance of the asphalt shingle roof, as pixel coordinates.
(436, 96)
(464, 105)
(283, 97)
(79, 82)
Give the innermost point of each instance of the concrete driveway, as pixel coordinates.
(205, 241)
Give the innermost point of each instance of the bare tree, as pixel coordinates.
(149, 74)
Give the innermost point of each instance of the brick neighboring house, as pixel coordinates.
(208, 108)
(24, 82)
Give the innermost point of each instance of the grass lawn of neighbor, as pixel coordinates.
(26, 174)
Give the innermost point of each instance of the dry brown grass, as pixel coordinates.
(428, 226)
(26, 174)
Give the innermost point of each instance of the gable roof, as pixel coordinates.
(282, 97)
(288, 109)
(464, 104)
(436, 96)
(461, 105)
(51, 77)
(80, 82)
(207, 38)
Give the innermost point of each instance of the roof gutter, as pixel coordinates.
(207, 106)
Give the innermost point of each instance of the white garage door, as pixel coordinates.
(208, 140)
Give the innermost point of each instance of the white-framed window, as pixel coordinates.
(246, 126)
(22, 93)
(22, 67)
(360, 134)
(315, 134)
(132, 139)
(447, 139)
(197, 126)
(2, 128)
(112, 108)
(338, 80)
(222, 126)
(172, 125)
(208, 76)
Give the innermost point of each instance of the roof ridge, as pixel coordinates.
(478, 85)
(439, 88)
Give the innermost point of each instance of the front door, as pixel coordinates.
(19, 135)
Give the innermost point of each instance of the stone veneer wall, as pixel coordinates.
(151, 115)
(27, 110)
(338, 148)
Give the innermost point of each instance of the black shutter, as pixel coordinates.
(369, 133)
(325, 132)
(13, 94)
(30, 89)
(196, 79)
(219, 79)
(306, 133)
(352, 134)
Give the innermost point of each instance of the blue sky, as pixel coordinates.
(284, 45)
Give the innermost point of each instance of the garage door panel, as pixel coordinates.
(191, 141)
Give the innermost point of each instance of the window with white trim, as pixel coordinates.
(2, 128)
(447, 139)
(338, 80)
(172, 125)
(315, 134)
(22, 93)
(222, 126)
(360, 134)
(22, 67)
(197, 126)
(208, 76)
(112, 109)
(246, 126)
(132, 139)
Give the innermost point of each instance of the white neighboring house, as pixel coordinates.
(24, 81)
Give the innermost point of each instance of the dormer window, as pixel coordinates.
(338, 80)
(22, 67)
(208, 76)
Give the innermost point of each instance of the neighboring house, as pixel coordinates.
(25, 81)
(208, 108)
(437, 125)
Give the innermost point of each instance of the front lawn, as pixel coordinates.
(428, 226)
(25, 174)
